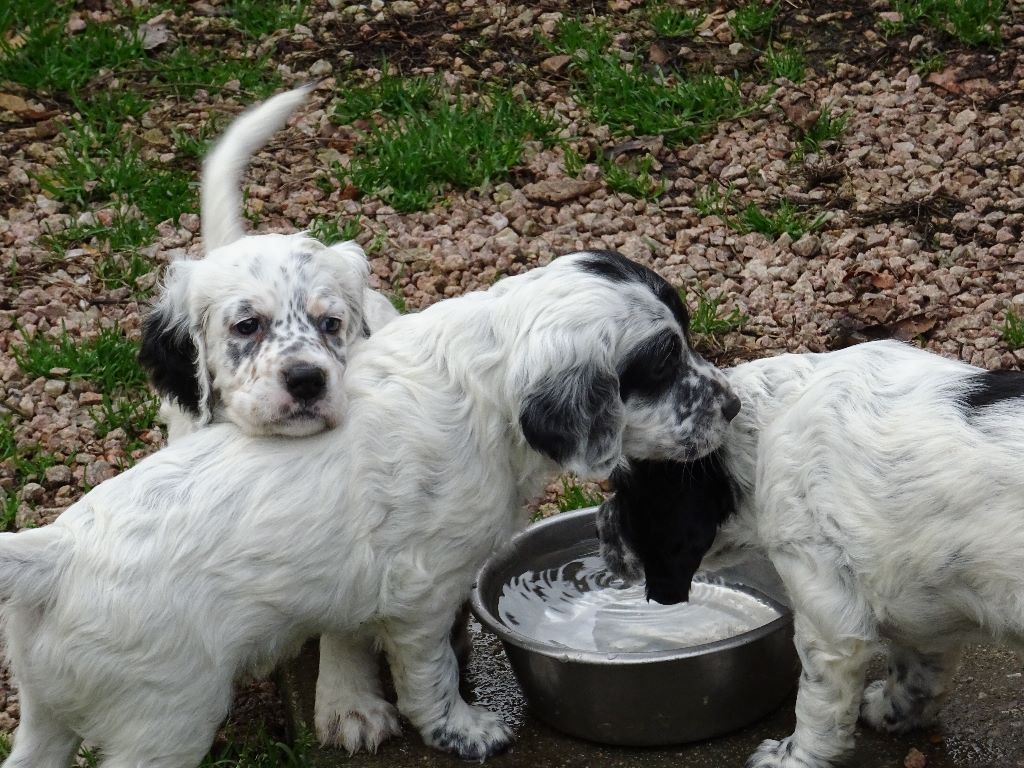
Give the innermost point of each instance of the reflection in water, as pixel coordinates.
(582, 607)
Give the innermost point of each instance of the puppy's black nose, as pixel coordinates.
(305, 382)
(730, 407)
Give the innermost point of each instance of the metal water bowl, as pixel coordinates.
(648, 698)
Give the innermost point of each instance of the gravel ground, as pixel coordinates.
(923, 193)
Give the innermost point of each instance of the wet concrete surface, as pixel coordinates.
(982, 726)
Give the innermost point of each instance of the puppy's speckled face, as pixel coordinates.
(276, 355)
(677, 405)
(259, 333)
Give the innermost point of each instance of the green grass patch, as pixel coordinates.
(788, 62)
(122, 270)
(752, 20)
(185, 70)
(575, 496)
(707, 318)
(635, 180)
(109, 359)
(670, 21)
(47, 58)
(122, 234)
(1012, 330)
(828, 127)
(133, 413)
(926, 65)
(973, 22)
(633, 101)
(99, 165)
(450, 142)
(397, 299)
(8, 522)
(784, 217)
(391, 96)
(330, 230)
(258, 18)
(30, 463)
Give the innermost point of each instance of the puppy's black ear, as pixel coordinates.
(170, 358)
(668, 514)
(575, 417)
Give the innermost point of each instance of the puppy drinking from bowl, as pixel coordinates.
(130, 617)
(884, 484)
(260, 330)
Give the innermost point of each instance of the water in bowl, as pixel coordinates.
(581, 606)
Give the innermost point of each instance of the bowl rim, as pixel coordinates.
(612, 658)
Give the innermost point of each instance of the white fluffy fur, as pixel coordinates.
(129, 618)
(289, 284)
(893, 508)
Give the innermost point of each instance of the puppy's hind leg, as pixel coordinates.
(41, 740)
(351, 711)
(911, 696)
(832, 634)
(426, 676)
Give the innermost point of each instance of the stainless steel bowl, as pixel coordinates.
(639, 699)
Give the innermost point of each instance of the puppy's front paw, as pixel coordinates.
(364, 723)
(472, 733)
(889, 714)
(783, 754)
(876, 709)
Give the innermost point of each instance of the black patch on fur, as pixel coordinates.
(572, 413)
(169, 359)
(669, 514)
(992, 387)
(651, 367)
(365, 329)
(618, 268)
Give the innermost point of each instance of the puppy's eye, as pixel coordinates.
(247, 327)
(330, 324)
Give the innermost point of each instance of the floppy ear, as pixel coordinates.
(668, 514)
(173, 354)
(575, 417)
(347, 262)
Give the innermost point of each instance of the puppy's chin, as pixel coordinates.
(293, 421)
(300, 426)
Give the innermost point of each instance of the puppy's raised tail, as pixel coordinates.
(220, 194)
(30, 562)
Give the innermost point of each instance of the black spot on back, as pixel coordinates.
(616, 267)
(991, 387)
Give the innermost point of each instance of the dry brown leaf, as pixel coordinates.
(883, 281)
(946, 79)
(658, 55)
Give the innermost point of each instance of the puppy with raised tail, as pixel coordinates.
(260, 330)
(884, 484)
(130, 617)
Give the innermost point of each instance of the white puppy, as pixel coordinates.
(884, 484)
(260, 330)
(129, 618)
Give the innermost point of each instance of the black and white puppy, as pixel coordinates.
(884, 484)
(260, 330)
(129, 618)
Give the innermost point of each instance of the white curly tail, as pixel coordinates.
(29, 564)
(220, 193)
